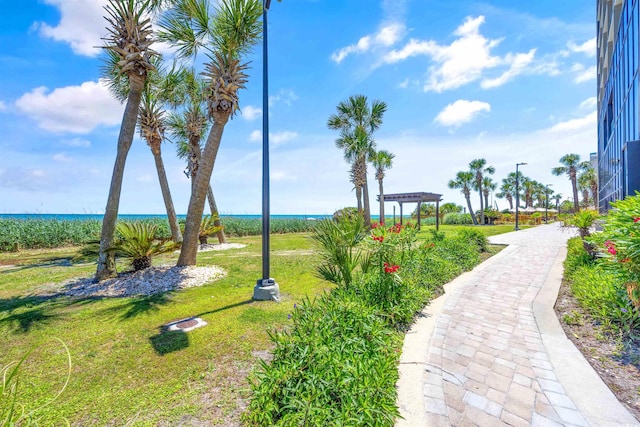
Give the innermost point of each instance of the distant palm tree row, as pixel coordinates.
(199, 106)
(533, 193)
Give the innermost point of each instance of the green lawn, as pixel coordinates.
(487, 230)
(124, 371)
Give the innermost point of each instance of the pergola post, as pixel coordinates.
(419, 211)
(437, 215)
(400, 213)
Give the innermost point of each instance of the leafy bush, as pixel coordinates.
(457, 219)
(474, 236)
(138, 242)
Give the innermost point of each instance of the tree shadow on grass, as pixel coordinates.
(24, 313)
(47, 263)
(166, 341)
(136, 306)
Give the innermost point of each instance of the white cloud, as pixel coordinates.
(3, 106)
(387, 36)
(75, 109)
(279, 138)
(76, 142)
(589, 121)
(589, 103)
(404, 84)
(251, 113)
(256, 136)
(81, 25)
(461, 111)
(583, 74)
(145, 178)
(285, 96)
(276, 138)
(61, 157)
(466, 59)
(518, 64)
(280, 176)
(589, 47)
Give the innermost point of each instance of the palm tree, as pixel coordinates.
(557, 197)
(571, 166)
(381, 160)
(152, 127)
(357, 122)
(464, 181)
(589, 179)
(232, 33)
(529, 187)
(488, 186)
(129, 39)
(478, 168)
(508, 188)
(188, 126)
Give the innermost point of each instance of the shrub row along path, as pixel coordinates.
(491, 352)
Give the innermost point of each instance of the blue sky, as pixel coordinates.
(507, 81)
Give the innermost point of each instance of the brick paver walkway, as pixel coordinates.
(487, 364)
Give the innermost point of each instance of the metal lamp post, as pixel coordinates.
(546, 207)
(266, 288)
(517, 192)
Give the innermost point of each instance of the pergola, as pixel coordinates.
(418, 198)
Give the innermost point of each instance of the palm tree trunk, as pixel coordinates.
(367, 207)
(214, 213)
(486, 199)
(176, 236)
(481, 205)
(106, 258)
(510, 200)
(594, 193)
(381, 221)
(574, 187)
(473, 217)
(359, 199)
(189, 249)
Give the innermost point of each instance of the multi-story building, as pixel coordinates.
(618, 96)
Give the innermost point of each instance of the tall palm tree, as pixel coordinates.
(488, 186)
(478, 167)
(357, 122)
(557, 197)
(589, 179)
(129, 40)
(464, 182)
(571, 166)
(508, 188)
(151, 122)
(529, 188)
(187, 126)
(227, 37)
(381, 160)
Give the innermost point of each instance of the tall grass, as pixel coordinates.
(16, 234)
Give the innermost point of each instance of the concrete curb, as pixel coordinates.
(592, 397)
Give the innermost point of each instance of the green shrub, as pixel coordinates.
(475, 236)
(138, 242)
(457, 219)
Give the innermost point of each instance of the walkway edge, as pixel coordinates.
(583, 385)
(415, 350)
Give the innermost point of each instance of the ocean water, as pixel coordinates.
(80, 217)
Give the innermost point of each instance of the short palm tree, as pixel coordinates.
(478, 167)
(464, 182)
(508, 188)
(357, 122)
(138, 242)
(488, 186)
(381, 160)
(129, 40)
(571, 166)
(589, 179)
(227, 37)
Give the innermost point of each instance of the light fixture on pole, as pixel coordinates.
(517, 192)
(266, 288)
(546, 207)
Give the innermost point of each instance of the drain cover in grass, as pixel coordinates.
(186, 325)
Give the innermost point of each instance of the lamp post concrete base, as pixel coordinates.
(266, 290)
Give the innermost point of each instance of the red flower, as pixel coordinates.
(378, 238)
(612, 250)
(390, 268)
(636, 219)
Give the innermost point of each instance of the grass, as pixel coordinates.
(487, 230)
(124, 371)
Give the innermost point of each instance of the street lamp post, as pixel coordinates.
(266, 288)
(518, 192)
(546, 207)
